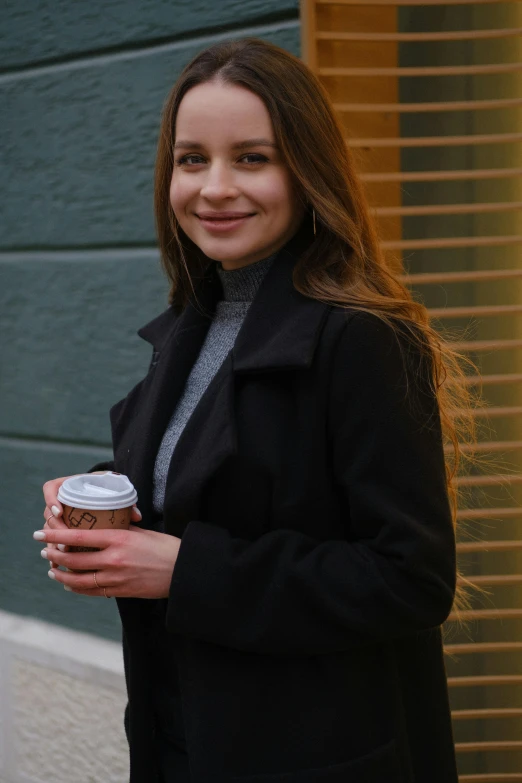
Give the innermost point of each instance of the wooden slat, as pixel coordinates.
(497, 412)
(454, 35)
(487, 481)
(412, 2)
(482, 647)
(430, 107)
(376, 124)
(450, 209)
(475, 310)
(495, 580)
(440, 176)
(424, 71)
(492, 777)
(308, 33)
(487, 345)
(486, 714)
(490, 513)
(489, 446)
(494, 379)
(483, 747)
(489, 546)
(437, 141)
(424, 278)
(487, 614)
(485, 680)
(449, 242)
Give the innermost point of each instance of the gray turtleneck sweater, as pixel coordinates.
(239, 289)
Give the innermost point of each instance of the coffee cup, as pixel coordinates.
(97, 501)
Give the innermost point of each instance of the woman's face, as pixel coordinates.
(231, 192)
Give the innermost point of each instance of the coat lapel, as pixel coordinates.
(177, 340)
(282, 326)
(280, 332)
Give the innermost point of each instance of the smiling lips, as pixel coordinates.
(219, 222)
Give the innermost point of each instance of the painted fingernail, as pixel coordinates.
(61, 547)
(138, 512)
(51, 575)
(39, 535)
(67, 588)
(44, 554)
(56, 511)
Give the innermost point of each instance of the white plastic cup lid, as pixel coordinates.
(102, 491)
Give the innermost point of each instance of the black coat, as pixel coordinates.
(317, 563)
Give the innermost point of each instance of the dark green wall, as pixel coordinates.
(81, 88)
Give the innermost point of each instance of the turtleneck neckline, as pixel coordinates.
(241, 285)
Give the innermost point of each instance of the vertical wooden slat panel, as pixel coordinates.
(309, 33)
(385, 124)
(430, 97)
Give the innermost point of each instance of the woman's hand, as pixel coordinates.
(53, 511)
(132, 563)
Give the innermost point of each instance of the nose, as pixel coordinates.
(219, 183)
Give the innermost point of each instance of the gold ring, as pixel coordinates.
(105, 593)
(49, 517)
(95, 580)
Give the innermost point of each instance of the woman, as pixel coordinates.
(282, 597)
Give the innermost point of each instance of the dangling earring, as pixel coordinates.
(313, 218)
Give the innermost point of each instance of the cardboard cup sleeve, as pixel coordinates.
(95, 519)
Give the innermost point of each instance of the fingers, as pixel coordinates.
(55, 524)
(49, 517)
(52, 548)
(50, 491)
(135, 514)
(78, 582)
(51, 512)
(52, 521)
(74, 561)
(101, 539)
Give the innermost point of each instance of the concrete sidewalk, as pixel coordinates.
(62, 696)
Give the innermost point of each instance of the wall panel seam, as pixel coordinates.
(104, 57)
(101, 450)
(81, 256)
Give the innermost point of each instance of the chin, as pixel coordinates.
(219, 252)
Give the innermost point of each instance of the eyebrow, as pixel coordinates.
(240, 145)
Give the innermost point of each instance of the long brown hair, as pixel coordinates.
(345, 265)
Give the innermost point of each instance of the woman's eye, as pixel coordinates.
(190, 160)
(254, 157)
(193, 159)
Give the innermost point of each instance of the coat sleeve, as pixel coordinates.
(102, 466)
(394, 574)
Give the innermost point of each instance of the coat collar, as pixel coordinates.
(281, 327)
(280, 332)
